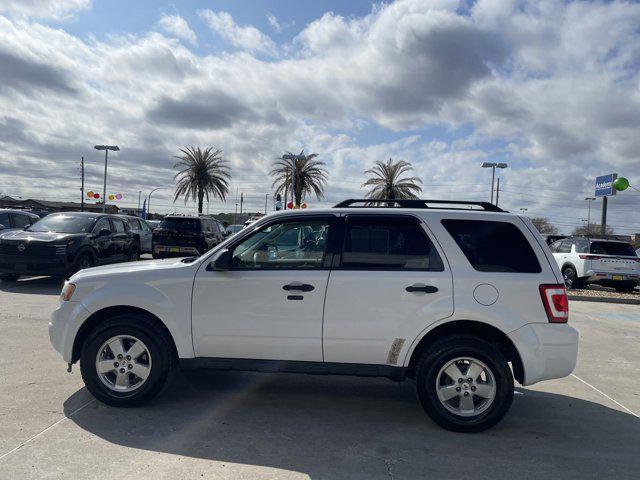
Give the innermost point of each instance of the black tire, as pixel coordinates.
(570, 277)
(84, 260)
(160, 349)
(452, 347)
(134, 254)
(9, 277)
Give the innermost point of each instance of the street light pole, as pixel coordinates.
(523, 210)
(266, 196)
(149, 199)
(589, 199)
(106, 149)
(493, 166)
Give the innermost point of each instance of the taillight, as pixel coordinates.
(556, 304)
(589, 257)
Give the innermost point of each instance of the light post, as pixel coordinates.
(589, 200)
(106, 149)
(266, 196)
(149, 199)
(493, 166)
(523, 210)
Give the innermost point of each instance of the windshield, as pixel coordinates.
(612, 248)
(177, 223)
(64, 224)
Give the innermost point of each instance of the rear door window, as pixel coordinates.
(118, 225)
(4, 220)
(20, 221)
(493, 246)
(565, 246)
(376, 243)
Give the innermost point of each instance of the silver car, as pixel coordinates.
(142, 229)
(16, 220)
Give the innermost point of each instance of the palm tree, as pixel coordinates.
(387, 181)
(202, 173)
(310, 175)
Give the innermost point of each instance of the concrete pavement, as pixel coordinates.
(243, 425)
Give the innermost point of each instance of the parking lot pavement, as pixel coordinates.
(243, 425)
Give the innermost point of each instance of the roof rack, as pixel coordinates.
(396, 203)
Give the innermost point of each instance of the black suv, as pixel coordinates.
(182, 236)
(63, 243)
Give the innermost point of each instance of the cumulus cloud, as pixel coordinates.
(178, 26)
(550, 87)
(46, 9)
(247, 38)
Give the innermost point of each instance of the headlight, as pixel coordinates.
(67, 291)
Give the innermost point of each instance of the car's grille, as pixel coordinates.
(28, 249)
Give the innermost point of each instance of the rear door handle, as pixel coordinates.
(422, 288)
(302, 287)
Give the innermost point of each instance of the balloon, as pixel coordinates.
(89, 194)
(290, 205)
(118, 196)
(620, 184)
(96, 195)
(304, 205)
(111, 197)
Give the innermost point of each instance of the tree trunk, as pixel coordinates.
(200, 199)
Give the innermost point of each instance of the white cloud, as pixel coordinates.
(178, 26)
(46, 9)
(273, 21)
(553, 88)
(244, 37)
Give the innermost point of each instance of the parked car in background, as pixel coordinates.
(461, 300)
(599, 260)
(16, 220)
(233, 229)
(64, 243)
(186, 235)
(142, 229)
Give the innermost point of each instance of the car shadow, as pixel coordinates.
(342, 427)
(33, 285)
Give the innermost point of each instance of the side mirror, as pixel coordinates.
(221, 263)
(104, 232)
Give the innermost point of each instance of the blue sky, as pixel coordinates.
(550, 87)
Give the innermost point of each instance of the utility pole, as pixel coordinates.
(241, 201)
(266, 195)
(139, 194)
(589, 199)
(493, 166)
(106, 149)
(498, 191)
(82, 184)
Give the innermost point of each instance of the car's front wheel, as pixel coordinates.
(125, 361)
(134, 254)
(464, 384)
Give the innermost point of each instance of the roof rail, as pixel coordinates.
(417, 203)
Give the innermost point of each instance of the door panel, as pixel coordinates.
(368, 305)
(246, 313)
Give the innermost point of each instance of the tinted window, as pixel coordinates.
(493, 246)
(389, 244)
(612, 248)
(20, 221)
(555, 246)
(565, 246)
(118, 225)
(64, 223)
(178, 223)
(102, 224)
(4, 219)
(145, 226)
(134, 224)
(287, 245)
(582, 245)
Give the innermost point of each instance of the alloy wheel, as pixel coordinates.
(466, 386)
(123, 363)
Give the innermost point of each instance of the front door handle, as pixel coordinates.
(302, 287)
(422, 288)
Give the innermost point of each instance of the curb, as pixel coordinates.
(583, 298)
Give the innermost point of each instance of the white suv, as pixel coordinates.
(605, 261)
(446, 293)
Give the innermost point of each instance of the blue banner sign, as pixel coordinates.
(604, 185)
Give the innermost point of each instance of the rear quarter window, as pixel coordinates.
(493, 246)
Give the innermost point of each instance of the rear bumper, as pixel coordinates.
(547, 350)
(34, 265)
(165, 251)
(611, 277)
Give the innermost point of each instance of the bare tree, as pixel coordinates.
(544, 226)
(591, 229)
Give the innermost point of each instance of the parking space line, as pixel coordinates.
(2, 457)
(605, 395)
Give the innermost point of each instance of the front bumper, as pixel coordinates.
(64, 325)
(15, 264)
(547, 350)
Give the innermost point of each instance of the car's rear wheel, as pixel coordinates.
(126, 360)
(134, 254)
(9, 277)
(464, 384)
(570, 277)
